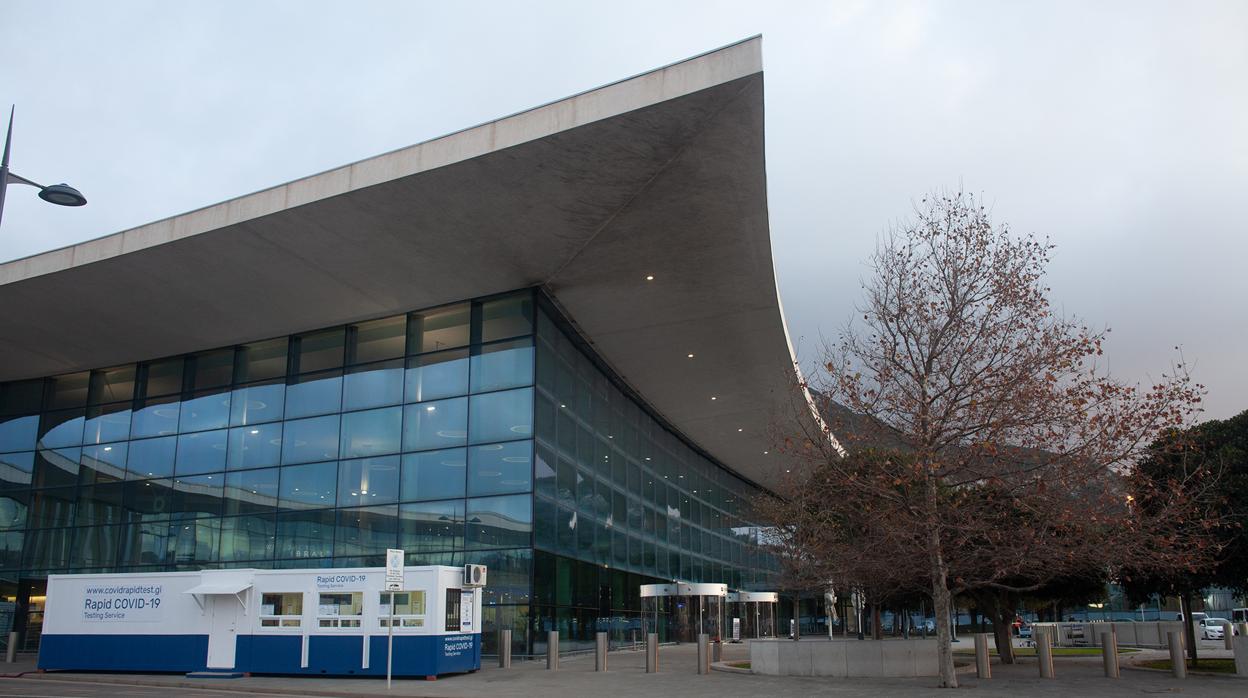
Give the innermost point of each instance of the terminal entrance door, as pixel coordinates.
(222, 639)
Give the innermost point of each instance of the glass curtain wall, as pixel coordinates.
(313, 450)
(324, 448)
(620, 501)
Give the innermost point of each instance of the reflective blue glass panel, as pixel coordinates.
(376, 340)
(69, 390)
(103, 463)
(310, 440)
(13, 507)
(366, 531)
(308, 486)
(56, 468)
(106, 423)
(162, 377)
(254, 404)
(149, 500)
(254, 446)
(368, 481)
(197, 496)
(261, 360)
(500, 468)
(151, 457)
(155, 418)
(203, 452)
(251, 491)
(436, 376)
(303, 535)
(431, 526)
(502, 365)
(439, 328)
(18, 433)
(101, 504)
(60, 429)
(371, 433)
(317, 351)
(506, 317)
(319, 393)
(144, 544)
(194, 543)
(499, 522)
(210, 411)
(434, 474)
(16, 470)
(501, 416)
(248, 538)
(431, 425)
(374, 385)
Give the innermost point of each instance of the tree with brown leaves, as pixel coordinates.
(1009, 440)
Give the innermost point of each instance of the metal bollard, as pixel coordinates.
(983, 668)
(652, 653)
(10, 655)
(600, 652)
(1178, 665)
(1044, 650)
(1228, 636)
(704, 665)
(552, 650)
(504, 648)
(1109, 653)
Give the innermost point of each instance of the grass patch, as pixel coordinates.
(1217, 666)
(739, 665)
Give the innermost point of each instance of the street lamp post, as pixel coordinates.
(60, 194)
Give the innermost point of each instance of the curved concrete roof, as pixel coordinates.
(659, 175)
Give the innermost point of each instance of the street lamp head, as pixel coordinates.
(62, 195)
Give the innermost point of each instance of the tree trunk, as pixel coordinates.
(1002, 624)
(877, 632)
(940, 593)
(797, 617)
(1189, 629)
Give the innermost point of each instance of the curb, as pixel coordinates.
(726, 667)
(215, 685)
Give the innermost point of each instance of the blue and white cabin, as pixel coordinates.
(320, 621)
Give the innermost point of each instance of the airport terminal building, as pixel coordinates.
(550, 344)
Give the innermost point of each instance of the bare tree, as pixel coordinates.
(1011, 441)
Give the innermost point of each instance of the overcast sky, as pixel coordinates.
(1120, 130)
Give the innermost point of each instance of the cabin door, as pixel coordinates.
(222, 640)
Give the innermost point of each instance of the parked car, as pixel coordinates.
(1210, 628)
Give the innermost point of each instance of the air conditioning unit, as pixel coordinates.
(474, 575)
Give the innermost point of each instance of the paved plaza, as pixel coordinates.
(627, 677)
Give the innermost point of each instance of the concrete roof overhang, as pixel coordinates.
(658, 175)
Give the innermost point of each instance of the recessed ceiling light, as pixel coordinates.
(431, 408)
(649, 277)
(691, 356)
(714, 398)
(740, 429)
(765, 453)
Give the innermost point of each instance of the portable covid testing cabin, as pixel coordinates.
(318, 621)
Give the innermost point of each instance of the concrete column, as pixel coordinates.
(983, 667)
(552, 650)
(504, 648)
(652, 653)
(1174, 639)
(1109, 652)
(600, 652)
(1241, 653)
(1044, 651)
(704, 653)
(717, 651)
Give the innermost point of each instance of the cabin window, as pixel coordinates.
(281, 610)
(340, 610)
(409, 609)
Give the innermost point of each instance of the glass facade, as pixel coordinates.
(477, 432)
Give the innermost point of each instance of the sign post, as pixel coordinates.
(394, 583)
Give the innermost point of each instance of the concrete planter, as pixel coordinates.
(844, 658)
